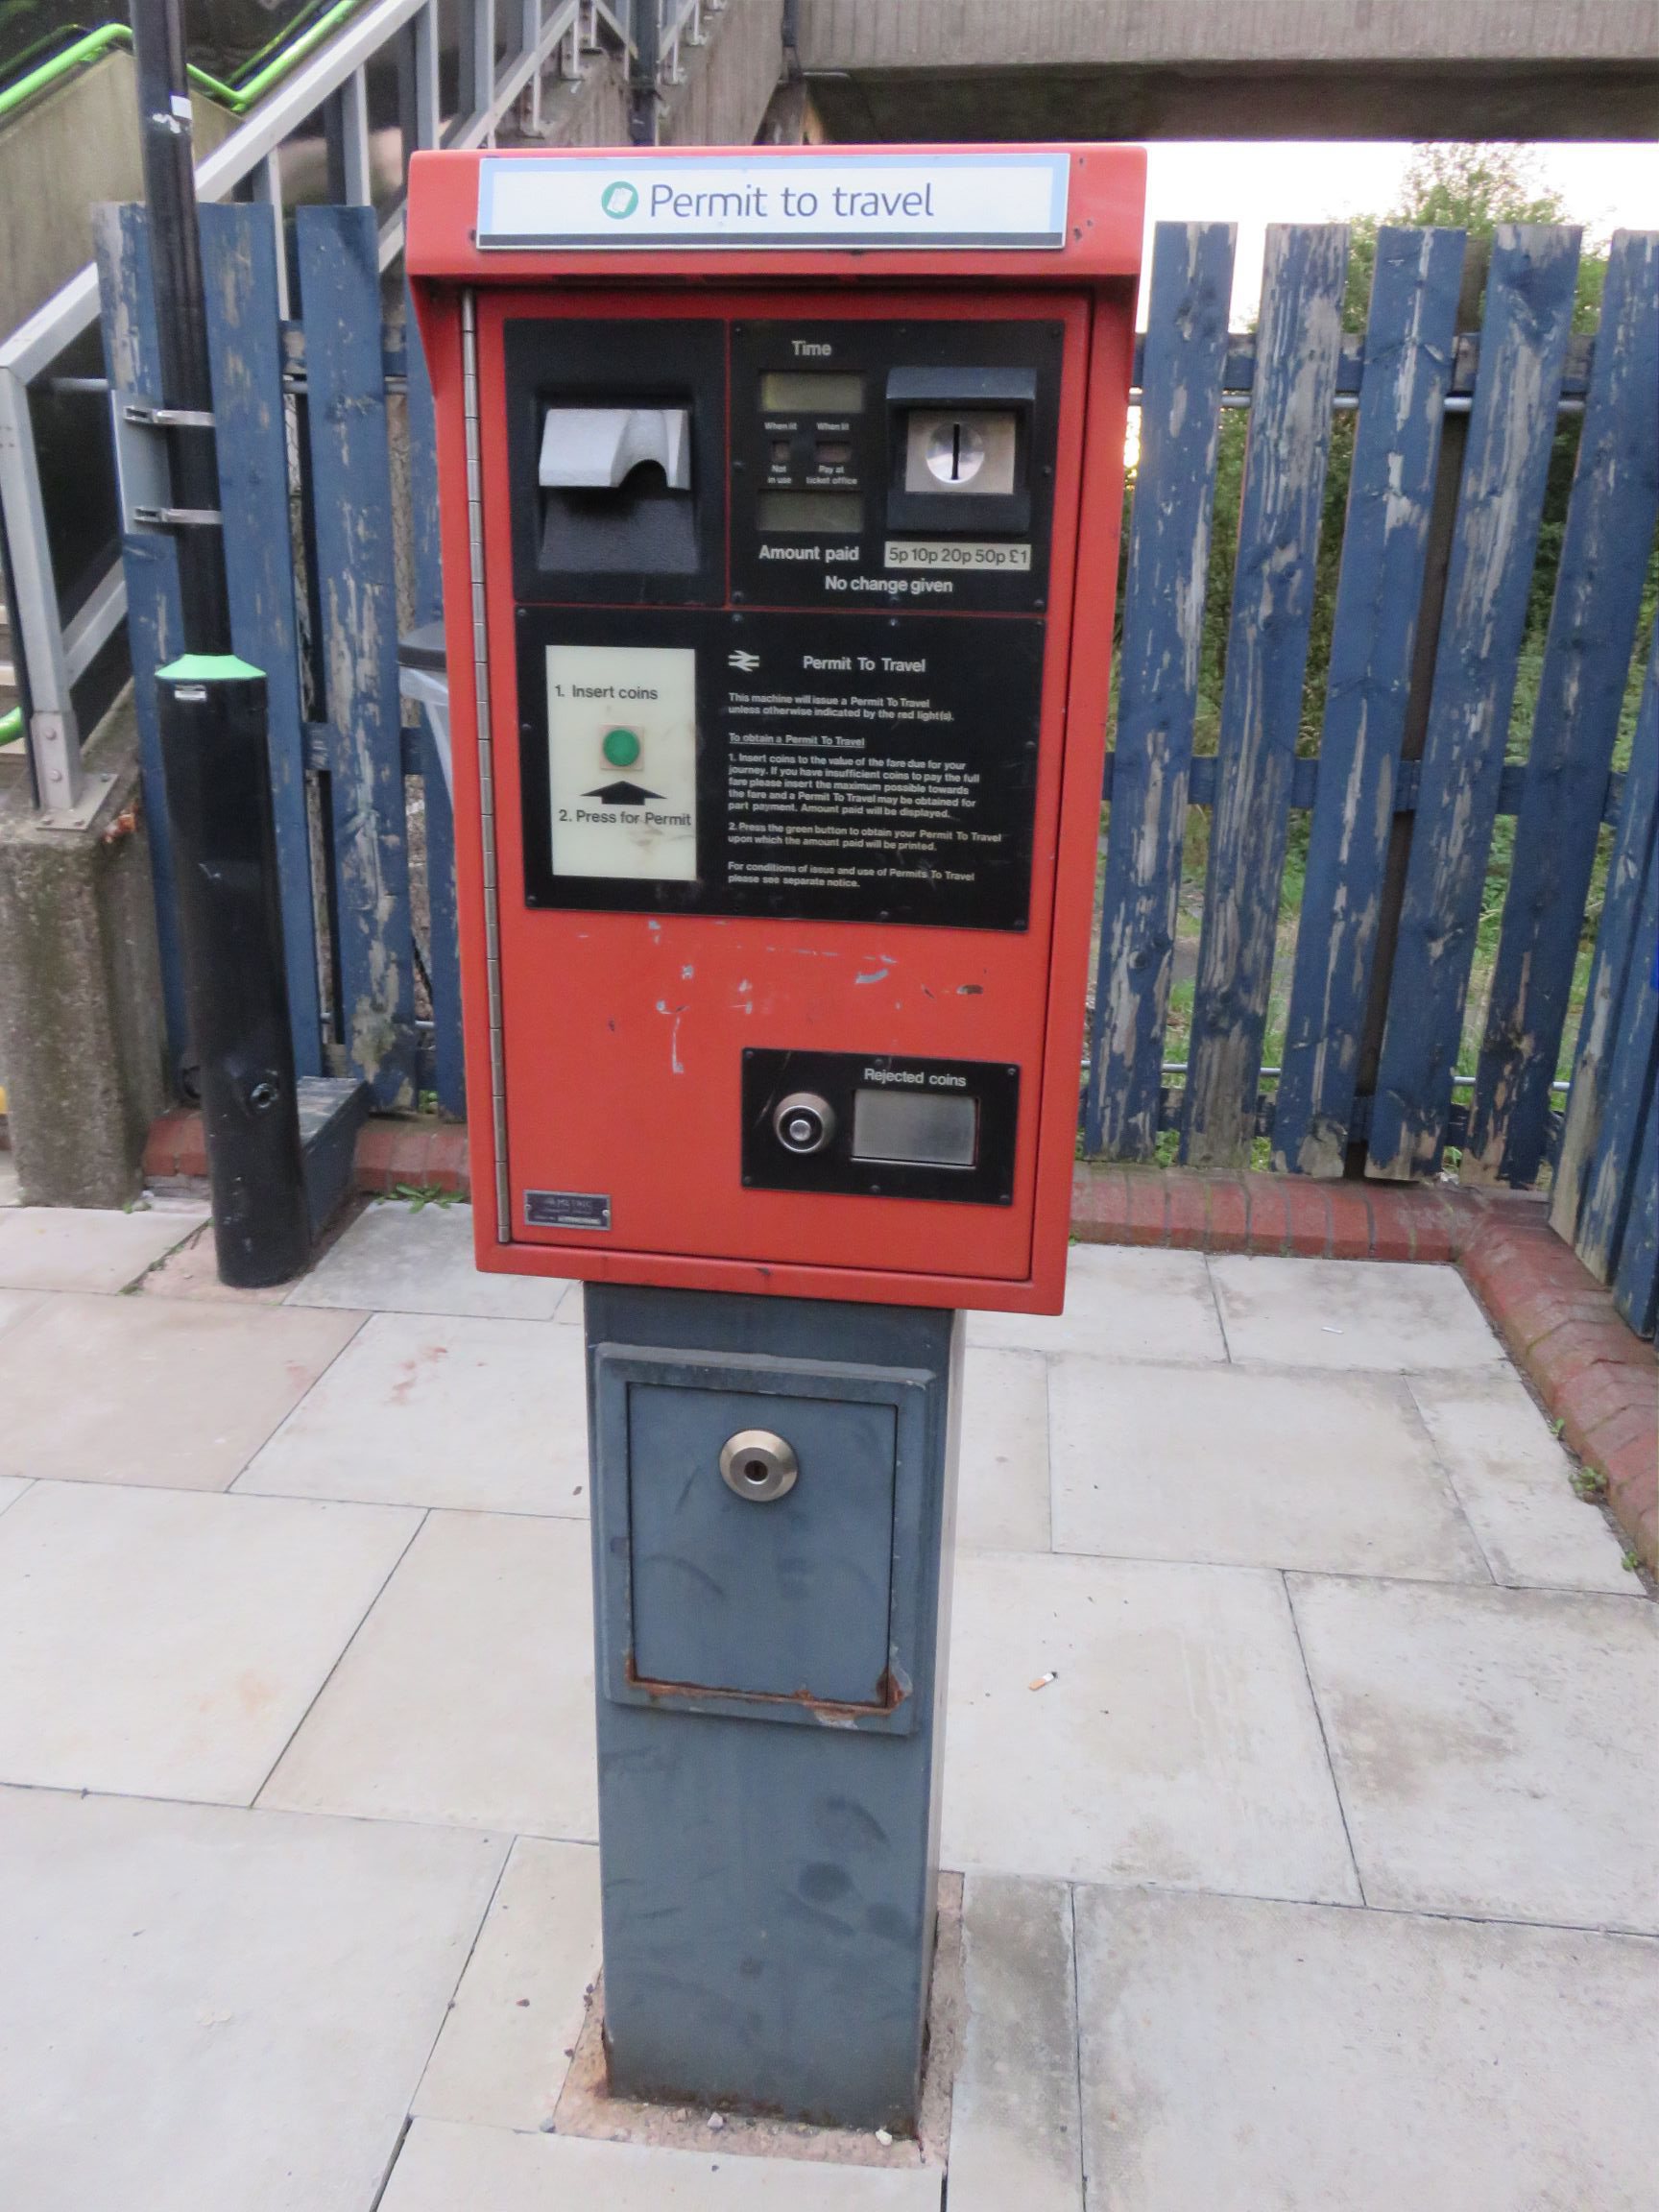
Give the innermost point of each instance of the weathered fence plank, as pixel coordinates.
(1618, 1165)
(1617, 957)
(1636, 1285)
(444, 960)
(1261, 694)
(244, 337)
(150, 562)
(1610, 524)
(1409, 343)
(1512, 428)
(1158, 686)
(340, 297)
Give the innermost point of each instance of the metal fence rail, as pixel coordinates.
(507, 50)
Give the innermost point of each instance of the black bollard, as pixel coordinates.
(215, 750)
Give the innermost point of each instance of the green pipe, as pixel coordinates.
(237, 98)
(246, 95)
(11, 726)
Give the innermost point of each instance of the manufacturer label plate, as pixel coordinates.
(566, 1209)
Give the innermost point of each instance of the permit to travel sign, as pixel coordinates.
(869, 200)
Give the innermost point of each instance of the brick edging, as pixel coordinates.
(1594, 1373)
(1558, 1323)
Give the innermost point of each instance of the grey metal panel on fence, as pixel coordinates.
(155, 620)
(443, 944)
(340, 302)
(1261, 695)
(1610, 532)
(1524, 339)
(1636, 1285)
(1618, 1167)
(244, 322)
(1409, 345)
(1157, 686)
(1618, 955)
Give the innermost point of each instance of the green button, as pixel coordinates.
(621, 748)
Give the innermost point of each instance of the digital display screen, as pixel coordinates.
(915, 1128)
(828, 513)
(783, 391)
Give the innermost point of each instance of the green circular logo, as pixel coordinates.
(618, 199)
(620, 747)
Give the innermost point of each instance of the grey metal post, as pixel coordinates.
(774, 1503)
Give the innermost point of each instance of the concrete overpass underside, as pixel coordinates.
(1011, 69)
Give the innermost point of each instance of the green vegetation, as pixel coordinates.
(1474, 188)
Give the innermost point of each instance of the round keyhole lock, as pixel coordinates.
(803, 1122)
(956, 452)
(757, 1465)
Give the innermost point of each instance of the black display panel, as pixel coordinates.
(840, 1100)
(838, 767)
(829, 506)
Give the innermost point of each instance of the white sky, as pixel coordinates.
(1606, 187)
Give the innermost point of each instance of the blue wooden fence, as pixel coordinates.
(1512, 378)
(310, 485)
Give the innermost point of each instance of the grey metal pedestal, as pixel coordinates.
(770, 1671)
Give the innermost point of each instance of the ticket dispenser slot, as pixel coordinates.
(617, 476)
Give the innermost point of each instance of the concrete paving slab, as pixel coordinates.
(467, 1695)
(191, 1270)
(1119, 1305)
(1016, 2131)
(1515, 1483)
(445, 2167)
(203, 2008)
(86, 1248)
(1492, 1747)
(1252, 1469)
(1002, 1493)
(1177, 1743)
(14, 1303)
(153, 1390)
(505, 2048)
(1244, 2054)
(429, 1410)
(1350, 1313)
(12, 1488)
(166, 1644)
(398, 1258)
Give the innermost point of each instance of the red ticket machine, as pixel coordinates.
(781, 494)
(780, 498)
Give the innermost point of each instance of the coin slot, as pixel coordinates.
(961, 451)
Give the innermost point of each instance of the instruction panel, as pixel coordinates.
(881, 770)
(622, 761)
(865, 767)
